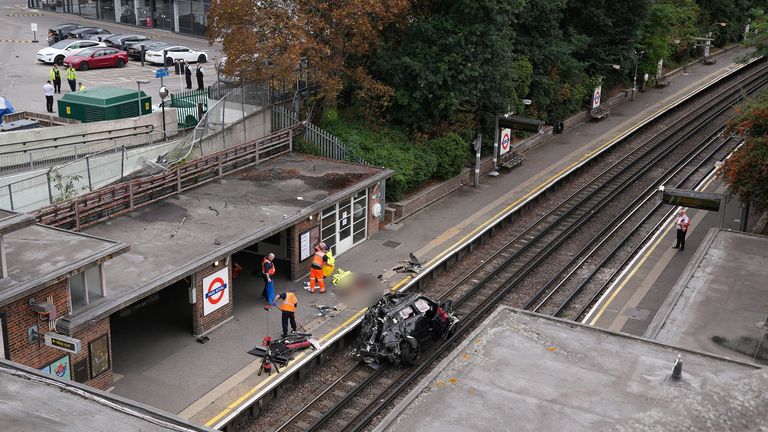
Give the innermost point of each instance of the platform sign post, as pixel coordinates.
(216, 291)
(506, 141)
(694, 199)
(596, 95)
(477, 144)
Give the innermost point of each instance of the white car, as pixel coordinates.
(176, 53)
(67, 47)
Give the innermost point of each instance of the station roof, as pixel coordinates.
(720, 300)
(34, 401)
(215, 220)
(11, 221)
(38, 255)
(540, 373)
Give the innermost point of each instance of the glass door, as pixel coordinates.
(345, 226)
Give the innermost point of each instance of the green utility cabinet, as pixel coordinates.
(104, 103)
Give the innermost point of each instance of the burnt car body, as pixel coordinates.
(60, 32)
(400, 325)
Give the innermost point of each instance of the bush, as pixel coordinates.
(449, 153)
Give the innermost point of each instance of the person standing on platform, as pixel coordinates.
(288, 308)
(56, 78)
(683, 222)
(187, 74)
(48, 91)
(72, 78)
(268, 274)
(319, 260)
(199, 75)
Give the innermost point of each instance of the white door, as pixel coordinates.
(344, 226)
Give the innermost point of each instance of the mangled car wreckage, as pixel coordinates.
(399, 325)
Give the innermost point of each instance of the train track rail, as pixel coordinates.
(361, 393)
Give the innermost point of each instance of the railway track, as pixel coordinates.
(361, 393)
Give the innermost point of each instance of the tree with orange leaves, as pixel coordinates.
(746, 171)
(266, 40)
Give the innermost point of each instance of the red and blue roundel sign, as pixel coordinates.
(215, 291)
(506, 139)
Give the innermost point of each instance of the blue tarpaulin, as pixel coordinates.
(5, 108)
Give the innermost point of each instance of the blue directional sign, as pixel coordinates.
(161, 73)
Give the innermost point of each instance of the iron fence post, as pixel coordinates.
(50, 191)
(88, 170)
(10, 196)
(122, 164)
(30, 160)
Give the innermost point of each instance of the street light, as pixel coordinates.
(634, 79)
(139, 83)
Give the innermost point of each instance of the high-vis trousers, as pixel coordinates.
(316, 279)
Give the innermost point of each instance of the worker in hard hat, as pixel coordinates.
(319, 260)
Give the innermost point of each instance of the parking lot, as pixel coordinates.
(22, 76)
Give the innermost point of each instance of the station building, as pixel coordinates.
(180, 16)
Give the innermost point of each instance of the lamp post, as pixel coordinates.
(139, 83)
(638, 54)
(494, 172)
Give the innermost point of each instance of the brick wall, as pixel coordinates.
(299, 269)
(20, 318)
(374, 196)
(203, 324)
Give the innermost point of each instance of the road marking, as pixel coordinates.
(25, 15)
(16, 41)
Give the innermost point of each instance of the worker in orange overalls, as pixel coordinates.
(288, 306)
(319, 260)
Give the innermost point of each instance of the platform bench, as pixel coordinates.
(662, 82)
(511, 160)
(599, 113)
(710, 60)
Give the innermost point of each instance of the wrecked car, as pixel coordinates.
(400, 325)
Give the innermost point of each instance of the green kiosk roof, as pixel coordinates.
(103, 96)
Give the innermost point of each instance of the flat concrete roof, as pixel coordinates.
(11, 221)
(721, 299)
(34, 401)
(38, 255)
(529, 372)
(219, 218)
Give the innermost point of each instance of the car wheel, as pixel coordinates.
(168, 61)
(409, 355)
(84, 66)
(201, 58)
(120, 62)
(59, 60)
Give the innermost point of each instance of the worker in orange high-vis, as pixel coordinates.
(288, 307)
(319, 260)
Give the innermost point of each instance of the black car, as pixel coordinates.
(134, 49)
(88, 32)
(400, 325)
(121, 41)
(60, 32)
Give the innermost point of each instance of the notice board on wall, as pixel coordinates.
(307, 240)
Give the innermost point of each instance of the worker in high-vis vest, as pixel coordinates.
(319, 260)
(288, 307)
(268, 274)
(330, 264)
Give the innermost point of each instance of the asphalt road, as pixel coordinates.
(22, 76)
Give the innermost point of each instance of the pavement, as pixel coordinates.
(22, 76)
(546, 374)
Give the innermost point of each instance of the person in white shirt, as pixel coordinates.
(683, 222)
(48, 92)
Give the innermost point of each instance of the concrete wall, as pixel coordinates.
(99, 135)
(252, 127)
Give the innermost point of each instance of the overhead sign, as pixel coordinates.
(215, 291)
(34, 27)
(63, 343)
(706, 48)
(596, 96)
(692, 199)
(505, 141)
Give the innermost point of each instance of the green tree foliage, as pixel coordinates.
(746, 171)
(758, 35)
(454, 64)
(668, 22)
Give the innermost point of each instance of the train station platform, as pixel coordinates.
(175, 373)
(544, 374)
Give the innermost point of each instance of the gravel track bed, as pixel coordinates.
(275, 412)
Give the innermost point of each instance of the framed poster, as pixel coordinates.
(61, 368)
(304, 245)
(98, 354)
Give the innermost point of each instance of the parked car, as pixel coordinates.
(134, 49)
(97, 58)
(60, 32)
(67, 47)
(400, 325)
(176, 53)
(121, 41)
(87, 32)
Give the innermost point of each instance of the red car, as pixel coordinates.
(97, 58)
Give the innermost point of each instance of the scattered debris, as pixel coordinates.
(202, 339)
(325, 311)
(282, 350)
(300, 198)
(412, 265)
(173, 234)
(213, 209)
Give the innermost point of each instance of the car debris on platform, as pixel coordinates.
(400, 325)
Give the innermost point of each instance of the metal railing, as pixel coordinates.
(190, 106)
(327, 144)
(33, 190)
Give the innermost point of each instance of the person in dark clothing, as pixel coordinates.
(187, 74)
(268, 274)
(288, 307)
(199, 75)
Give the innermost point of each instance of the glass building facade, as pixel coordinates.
(181, 16)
